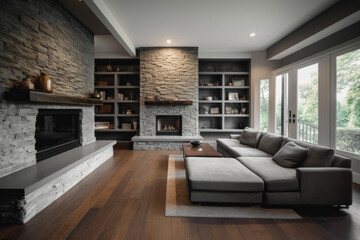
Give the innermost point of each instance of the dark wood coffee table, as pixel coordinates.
(203, 150)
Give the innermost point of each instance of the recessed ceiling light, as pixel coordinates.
(168, 41)
(252, 34)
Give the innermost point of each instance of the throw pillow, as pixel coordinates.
(250, 137)
(270, 143)
(290, 155)
(318, 156)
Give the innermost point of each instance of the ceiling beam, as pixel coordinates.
(100, 9)
(340, 15)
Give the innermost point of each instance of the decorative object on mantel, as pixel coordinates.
(26, 84)
(102, 95)
(45, 83)
(26, 96)
(95, 95)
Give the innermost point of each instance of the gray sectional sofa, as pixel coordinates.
(270, 171)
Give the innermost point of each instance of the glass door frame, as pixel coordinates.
(293, 100)
(323, 98)
(272, 102)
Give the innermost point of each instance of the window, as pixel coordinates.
(348, 102)
(307, 103)
(264, 104)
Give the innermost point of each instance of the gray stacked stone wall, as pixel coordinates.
(40, 35)
(169, 73)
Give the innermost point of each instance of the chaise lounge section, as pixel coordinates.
(292, 172)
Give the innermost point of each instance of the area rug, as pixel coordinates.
(178, 203)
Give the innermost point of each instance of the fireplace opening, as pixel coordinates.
(56, 131)
(168, 125)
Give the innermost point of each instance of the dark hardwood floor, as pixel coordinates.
(125, 199)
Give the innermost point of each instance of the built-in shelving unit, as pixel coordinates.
(224, 95)
(119, 81)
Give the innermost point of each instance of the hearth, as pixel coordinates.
(168, 125)
(56, 131)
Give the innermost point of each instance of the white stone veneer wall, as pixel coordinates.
(17, 138)
(36, 201)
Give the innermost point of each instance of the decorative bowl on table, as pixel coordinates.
(196, 143)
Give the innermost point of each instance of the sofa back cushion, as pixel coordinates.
(270, 143)
(318, 156)
(290, 155)
(250, 137)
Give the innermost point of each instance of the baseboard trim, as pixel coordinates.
(356, 177)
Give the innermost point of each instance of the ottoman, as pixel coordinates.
(222, 180)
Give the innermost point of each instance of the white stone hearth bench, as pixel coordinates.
(25, 193)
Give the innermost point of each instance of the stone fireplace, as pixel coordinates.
(56, 131)
(57, 43)
(168, 125)
(168, 74)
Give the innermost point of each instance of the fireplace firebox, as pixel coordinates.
(56, 131)
(168, 125)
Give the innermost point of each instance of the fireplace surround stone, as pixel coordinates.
(176, 79)
(17, 144)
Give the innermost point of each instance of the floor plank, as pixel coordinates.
(125, 199)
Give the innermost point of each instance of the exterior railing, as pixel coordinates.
(308, 132)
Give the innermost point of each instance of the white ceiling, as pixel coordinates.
(212, 25)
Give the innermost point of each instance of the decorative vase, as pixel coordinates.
(26, 84)
(45, 83)
(95, 94)
(135, 124)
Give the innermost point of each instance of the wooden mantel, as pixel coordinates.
(26, 96)
(168, 102)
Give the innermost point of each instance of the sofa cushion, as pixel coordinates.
(290, 155)
(247, 152)
(226, 143)
(270, 143)
(276, 178)
(250, 137)
(221, 174)
(318, 156)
